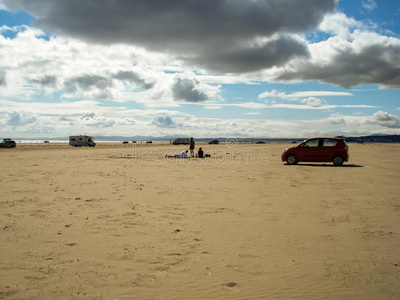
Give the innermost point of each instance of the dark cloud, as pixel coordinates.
(377, 64)
(187, 90)
(16, 119)
(89, 116)
(3, 78)
(385, 119)
(87, 82)
(198, 30)
(45, 81)
(99, 85)
(91, 119)
(241, 60)
(162, 121)
(133, 77)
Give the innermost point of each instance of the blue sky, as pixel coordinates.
(199, 68)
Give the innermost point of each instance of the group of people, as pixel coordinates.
(184, 154)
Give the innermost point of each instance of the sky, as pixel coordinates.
(221, 68)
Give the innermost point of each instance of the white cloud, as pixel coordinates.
(354, 55)
(385, 119)
(338, 24)
(299, 95)
(92, 117)
(318, 94)
(314, 102)
(369, 4)
(252, 113)
(75, 69)
(315, 105)
(273, 94)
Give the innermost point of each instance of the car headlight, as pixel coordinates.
(284, 151)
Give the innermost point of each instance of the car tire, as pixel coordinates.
(291, 159)
(338, 160)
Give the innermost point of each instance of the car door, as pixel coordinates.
(327, 150)
(308, 151)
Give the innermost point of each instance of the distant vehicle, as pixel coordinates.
(181, 141)
(8, 143)
(125, 142)
(46, 142)
(215, 142)
(149, 142)
(134, 142)
(294, 142)
(320, 149)
(260, 142)
(81, 140)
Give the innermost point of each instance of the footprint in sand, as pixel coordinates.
(231, 284)
(70, 244)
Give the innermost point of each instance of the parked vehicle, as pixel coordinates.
(215, 142)
(322, 149)
(181, 141)
(8, 143)
(81, 140)
(125, 142)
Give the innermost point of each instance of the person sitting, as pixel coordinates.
(200, 153)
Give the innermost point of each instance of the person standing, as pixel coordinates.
(191, 146)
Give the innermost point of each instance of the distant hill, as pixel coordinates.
(375, 139)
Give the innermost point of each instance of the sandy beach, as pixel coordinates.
(124, 222)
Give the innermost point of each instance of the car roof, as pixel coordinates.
(325, 137)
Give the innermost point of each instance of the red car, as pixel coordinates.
(321, 149)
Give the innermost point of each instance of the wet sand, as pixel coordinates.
(123, 222)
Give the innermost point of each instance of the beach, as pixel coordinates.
(125, 222)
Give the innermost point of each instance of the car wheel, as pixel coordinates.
(338, 160)
(291, 159)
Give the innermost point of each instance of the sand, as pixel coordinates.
(122, 222)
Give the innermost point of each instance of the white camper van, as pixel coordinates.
(181, 141)
(81, 140)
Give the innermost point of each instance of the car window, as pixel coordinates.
(329, 143)
(312, 143)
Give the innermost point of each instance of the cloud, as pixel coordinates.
(163, 121)
(379, 119)
(133, 77)
(318, 94)
(273, 94)
(299, 95)
(192, 90)
(314, 102)
(47, 80)
(359, 57)
(2, 78)
(17, 119)
(275, 52)
(385, 119)
(93, 85)
(316, 105)
(338, 24)
(369, 4)
(200, 32)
